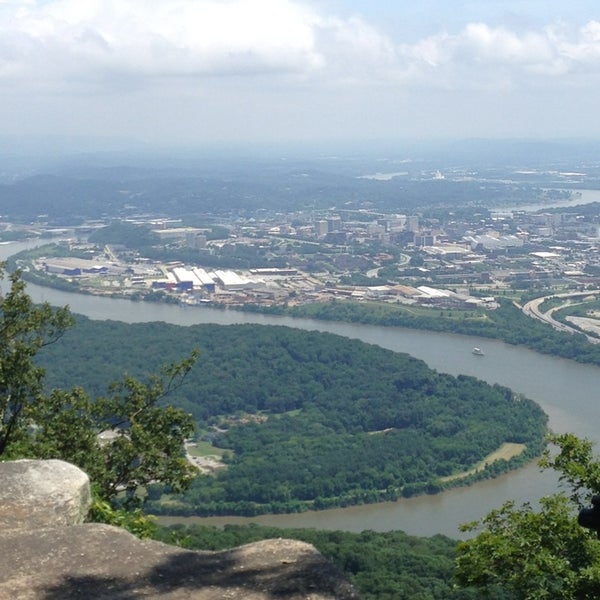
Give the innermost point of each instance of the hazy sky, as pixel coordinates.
(204, 71)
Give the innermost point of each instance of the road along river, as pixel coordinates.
(567, 391)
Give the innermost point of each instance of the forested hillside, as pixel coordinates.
(308, 420)
(243, 187)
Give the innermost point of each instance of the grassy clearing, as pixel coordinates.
(201, 449)
(505, 452)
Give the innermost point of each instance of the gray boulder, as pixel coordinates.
(48, 555)
(42, 493)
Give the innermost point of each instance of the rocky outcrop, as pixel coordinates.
(48, 554)
(45, 493)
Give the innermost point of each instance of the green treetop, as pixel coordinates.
(529, 553)
(123, 441)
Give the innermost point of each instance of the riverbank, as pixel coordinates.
(564, 388)
(506, 452)
(510, 322)
(295, 413)
(507, 323)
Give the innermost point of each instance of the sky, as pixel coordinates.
(202, 72)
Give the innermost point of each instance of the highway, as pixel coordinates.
(532, 309)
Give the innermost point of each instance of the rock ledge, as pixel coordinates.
(51, 556)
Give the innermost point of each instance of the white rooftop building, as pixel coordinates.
(492, 242)
(433, 292)
(230, 279)
(203, 277)
(184, 275)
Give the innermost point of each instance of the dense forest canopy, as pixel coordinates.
(336, 421)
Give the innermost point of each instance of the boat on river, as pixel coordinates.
(477, 351)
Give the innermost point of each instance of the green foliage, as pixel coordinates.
(539, 553)
(24, 330)
(507, 323)
(243, 187)
(335, 421)
(534, 554)
(383, 566)
(576, 464)
(126, 234)
(146, 438)
(135, 521)
(124, 441)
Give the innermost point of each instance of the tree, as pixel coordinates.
(124, 441)
(127, 234)
(540, 553)
(25, 328)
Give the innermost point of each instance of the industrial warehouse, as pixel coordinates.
(105, 274)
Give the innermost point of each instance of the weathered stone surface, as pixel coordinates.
(44, 493)
(102, 562)
(47, 555)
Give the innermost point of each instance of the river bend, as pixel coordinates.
(566, 390)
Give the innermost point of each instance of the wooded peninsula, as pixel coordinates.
(306, 420)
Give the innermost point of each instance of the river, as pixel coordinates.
(581, 197)
(567, 391)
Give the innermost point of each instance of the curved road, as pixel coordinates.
(532, 309)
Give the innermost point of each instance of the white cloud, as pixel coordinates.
(245, 69)
(498, 45)
(585, 51)
(83, 39)
(119, 42)
(353, 50)
(481, 53)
